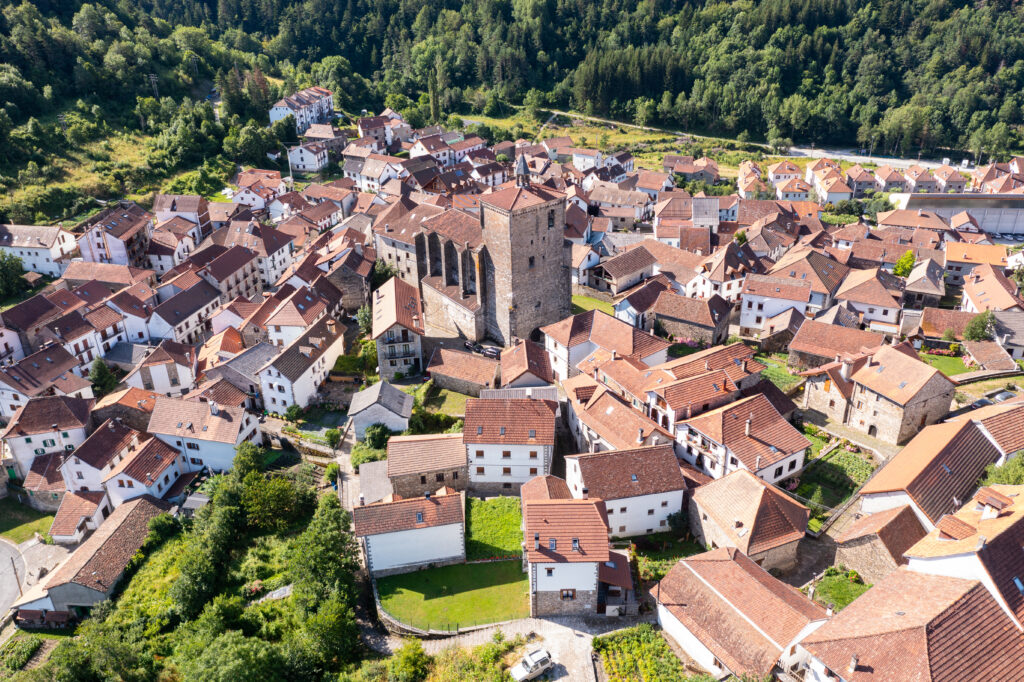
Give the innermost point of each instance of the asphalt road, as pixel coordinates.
(8, 582)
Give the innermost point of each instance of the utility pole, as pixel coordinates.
(17, 580)
(152, 81)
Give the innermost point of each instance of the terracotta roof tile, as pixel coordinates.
(771, 438)
(419, 454)
(941, 463)
(104, 444)
(915, 626)
(545, 488)
(39, 415)
(744, 616)
(469, 367)
(606, 332)
(756, 516)
(75, 506)
(896, 375)
(510, 421)
(525, 356)
(829, 340)
(618, 474)
(935, 321)
(551, 525)
(898, 529)
(408, 514)
(44, 474)
(397, 302)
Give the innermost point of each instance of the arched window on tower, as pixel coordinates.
(551, 219)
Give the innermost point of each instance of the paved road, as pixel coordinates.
(8, 582)
(853, 157)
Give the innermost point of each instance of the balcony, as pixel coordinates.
(395, 353)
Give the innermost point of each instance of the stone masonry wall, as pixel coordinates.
(867, 556)
(550, 603)
(410, 485)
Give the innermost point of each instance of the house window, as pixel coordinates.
(506, 471)
(533, 433)
(533, 454)
(650, 512)
(439, 478)
(192, 446)
(552, 544)
(831, 403)
(733, 461)
(130, 484)
(549, 572)
(78, 475)
(120, 483)
(662, 523)
(532, 262)
(423, 479)
(479, 453)
(506, 486)
(480, 471)
(506, 454)
(575, 544)
(622, 510)
(533, 471)
(664, 503)
(419, 517)
(792, 465)
(778, 472)
(195, 460)
(455, 475)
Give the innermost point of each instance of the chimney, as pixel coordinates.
(331, 326)
(111, 426)
(586, 493)
(536, 540)
(981, 543)
(746, 429)
(853, 663)
(707, 366)
(426, 495)
(214, 410)
(362, 500)
(614, 354)
(640, 435)
(846, 369)
(757, 464)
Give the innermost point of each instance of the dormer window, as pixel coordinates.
(533, 433)
(552, 544)
(419, 517)
(575, 544)
(502, 432)
(479, 430)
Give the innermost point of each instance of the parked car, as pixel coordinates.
(1003, 396)
(473, 347)
(533, 665)
(981, 403)
(491, 352)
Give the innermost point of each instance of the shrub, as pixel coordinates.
(293, 413)
(17, 652)
(377, 436)
(362, 453)
(399, 376)
(677, 522)
(332, 471)
(333, 437)
(410, 663)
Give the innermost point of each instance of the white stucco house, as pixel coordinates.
(295, 375)
(508, 442)
(409, 534)
(640, 487)
(40, 247)
(205, 432)
(380, 403)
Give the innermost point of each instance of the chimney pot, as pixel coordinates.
(746, 429)
(362, 500)
(853, 662)
(640, 435)
(586, 493)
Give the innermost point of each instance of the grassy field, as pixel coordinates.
(18, 522)
(831, 480)
(656, 554)
(146, 599)
(457, 596)
(581, 304)
(948, 365)
(980, 388)
(493, 528)
(817, 443)
(777, 372)
(839, 589)
(436, 399)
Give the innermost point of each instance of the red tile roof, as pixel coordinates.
(829, 340)
(401, 515)
(74, 508)
(618, 474)
(897, 528)
(419, 454)
(525, 356)
(545, 488)
(470, 367)
(915, 626)
(744, 616)
(606, 332)
(510, 421)
(39, 415)
(558, 522)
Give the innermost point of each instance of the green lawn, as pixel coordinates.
(776, 370)
(15, 299)
(18, 522)
(948, 365)
(493, 528)
(457, 596)
(678, 350)
(817, 441)
(656, 554)
(839, 589)
(436, 399)
(581, 304)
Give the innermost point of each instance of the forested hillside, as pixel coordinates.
(899, 75)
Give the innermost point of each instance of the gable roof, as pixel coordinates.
(510, 421)
(525, 357)
(771, 438)
(915, 626)
(104, 444)
(397, 302)
(418, 454)
(300, 354)
(897, 375)
(561, 521)
(629, 262)
(618, 474)
(75, 507)
(829, 340)
(470, 367)
(401, 515)
(40, 415)
(754, 515)
(545, 488)
(606, 332)
(941, 464)
(184, 418)
(744, 616)
(897, 528)
(384, 394)
(99, 561)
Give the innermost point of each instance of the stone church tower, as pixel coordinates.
(526, 281)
